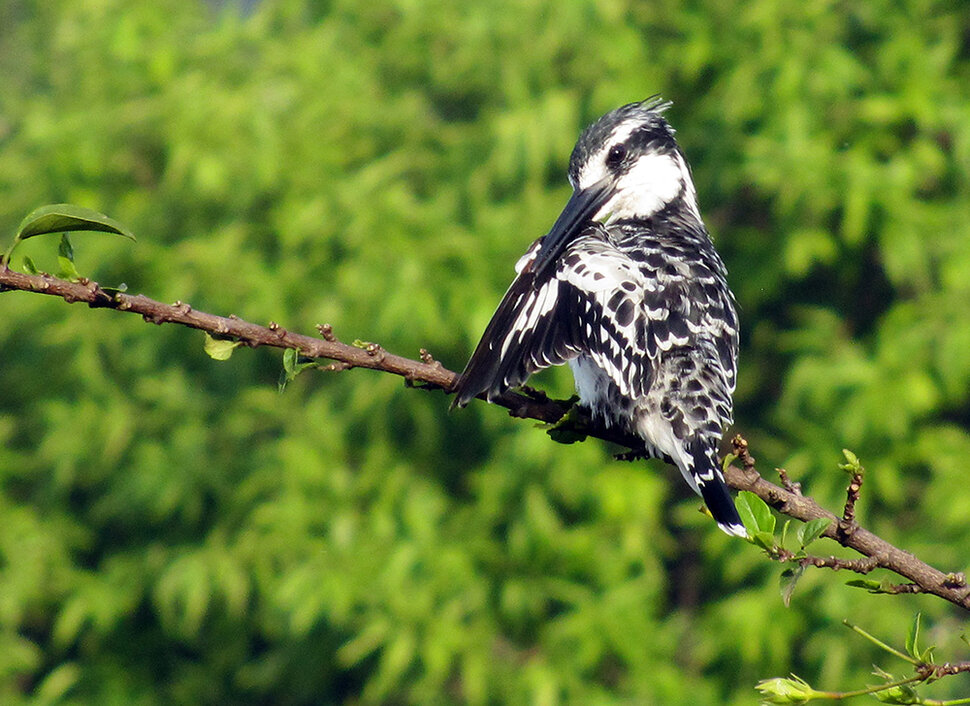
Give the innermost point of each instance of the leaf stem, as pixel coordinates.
(841, 695)
(879, 643)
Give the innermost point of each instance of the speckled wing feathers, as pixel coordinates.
(589, 305)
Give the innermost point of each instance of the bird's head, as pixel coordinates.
(625, 165)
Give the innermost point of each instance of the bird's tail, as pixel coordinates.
(717, 497)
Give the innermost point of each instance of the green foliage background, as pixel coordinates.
(172, 530)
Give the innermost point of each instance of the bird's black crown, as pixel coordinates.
(652, 132)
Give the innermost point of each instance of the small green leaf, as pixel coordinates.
(29, 266)
(65, 260)
(65, 249)
(765, 540)
(289, 362)
(120, 289)
(852, 464)
(867, 584)
(812, 530)
(62, 218)
(784, 533)
(884, 586)
(880, 672)
(67, 270)
(786, 691)
(912, 637)
(293, 365)
(789, 577)
(728, 460)
(755, 513)
(220, 348)
(899, 694)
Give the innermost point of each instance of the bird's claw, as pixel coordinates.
(572, 426)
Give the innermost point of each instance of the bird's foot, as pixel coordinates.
(572, 426)
(640, 454)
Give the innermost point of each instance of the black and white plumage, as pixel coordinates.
(628, 289)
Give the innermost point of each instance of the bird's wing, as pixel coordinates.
(592, 303)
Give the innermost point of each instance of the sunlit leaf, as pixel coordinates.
(65, 260)
(755, 513)
(812, 530)
(63, 217)
(293, 364)
(912, 637)
(220, 348)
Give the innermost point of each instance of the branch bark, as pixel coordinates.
(787, 500)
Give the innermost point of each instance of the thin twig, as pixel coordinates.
(848, 523)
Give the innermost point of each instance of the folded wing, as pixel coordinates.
(592, 303)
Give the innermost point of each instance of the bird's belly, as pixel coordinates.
(599, 394)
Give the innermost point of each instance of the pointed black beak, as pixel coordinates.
(579, 211)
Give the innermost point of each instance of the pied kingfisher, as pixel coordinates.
(628, 289)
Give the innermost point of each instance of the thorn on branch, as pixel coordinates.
(326, 331)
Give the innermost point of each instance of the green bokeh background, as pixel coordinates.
(173, 530)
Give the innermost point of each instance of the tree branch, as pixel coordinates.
(952, 587)
(531, 404)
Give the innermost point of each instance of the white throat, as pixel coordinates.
(651, 183)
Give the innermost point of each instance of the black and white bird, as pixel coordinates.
(628, 289)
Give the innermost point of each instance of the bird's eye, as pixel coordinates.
(616, 155)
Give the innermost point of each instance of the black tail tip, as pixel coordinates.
(721, 504)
